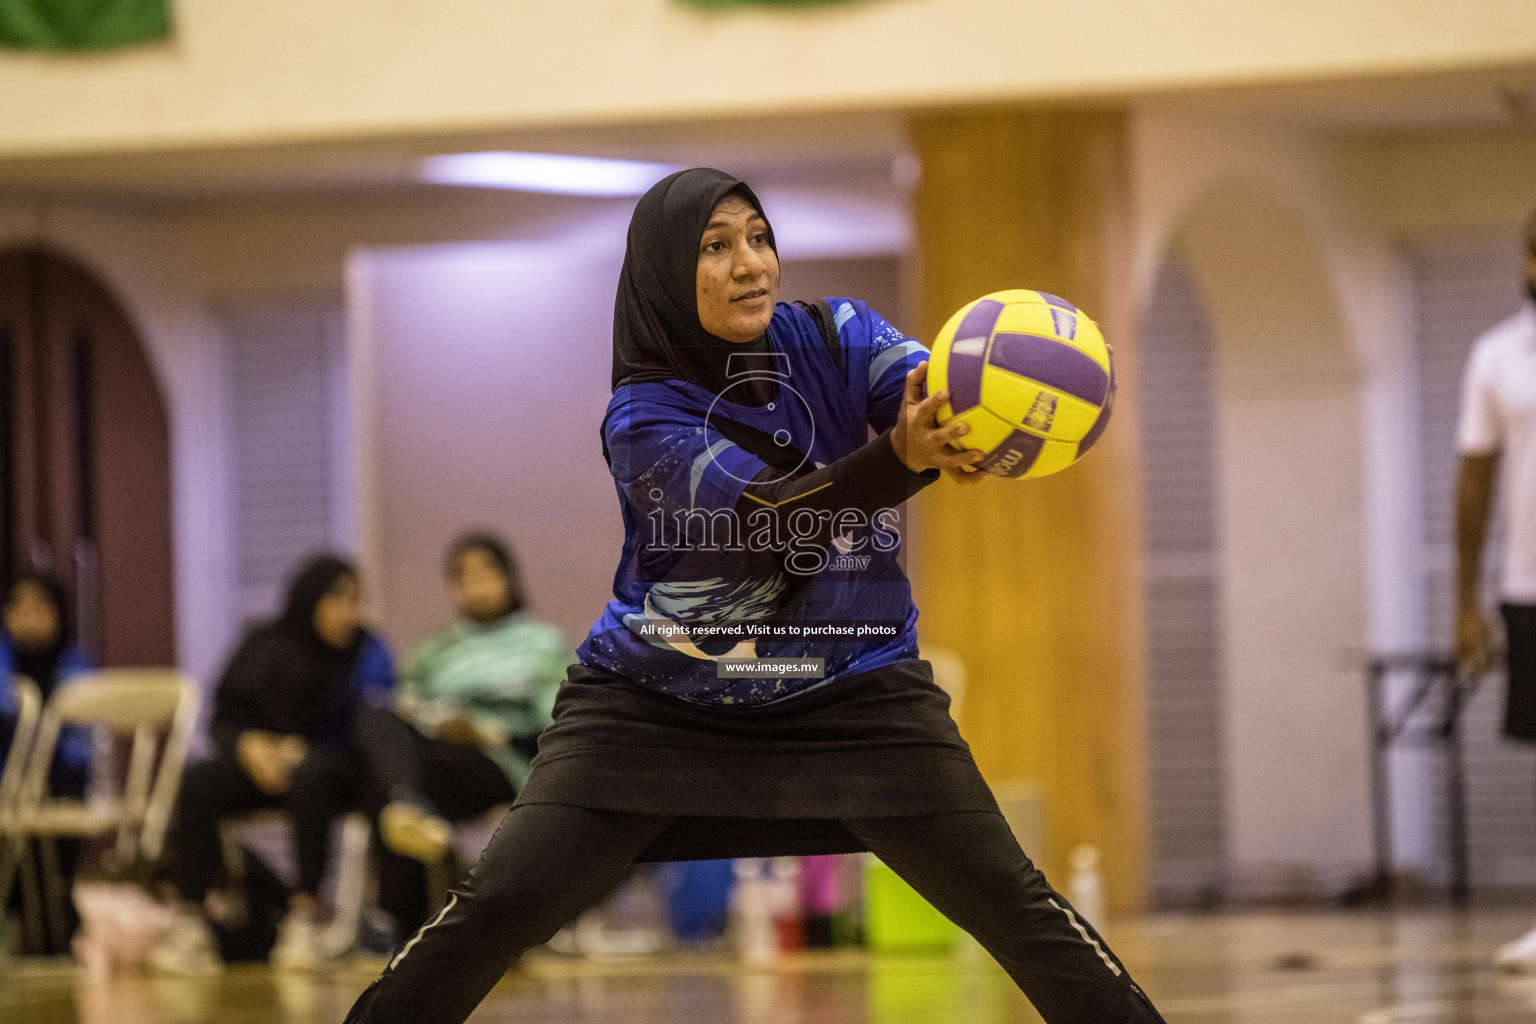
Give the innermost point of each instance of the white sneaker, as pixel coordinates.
(413, 832)
(298, 945)
(190, 948)
(1518, 957)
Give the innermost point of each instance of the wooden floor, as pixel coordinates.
(1371, 968)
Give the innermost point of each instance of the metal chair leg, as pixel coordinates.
(53, 892)
(10, 864)
(34, 934)
(11, 850)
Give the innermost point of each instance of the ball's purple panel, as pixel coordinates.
(1097, 430)
(1014, 456)
(1063, 313)
(1051, 363)
(968, 354)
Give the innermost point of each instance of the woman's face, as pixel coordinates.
(738, 273)
(481, 590)
(31, 618)
(339, 614)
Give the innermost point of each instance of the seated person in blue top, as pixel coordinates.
(468, 712)
(284, 719)
(37, 644)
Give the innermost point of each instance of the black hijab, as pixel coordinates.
(286, 678)
(41, 664)
(308, 586)
(500, 555)
(657, 335)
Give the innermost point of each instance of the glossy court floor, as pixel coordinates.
(1365, 968)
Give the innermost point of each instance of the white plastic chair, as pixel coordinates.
(158, 708)
(350, 873)
(12, 843)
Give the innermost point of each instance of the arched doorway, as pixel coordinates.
(84, 456)
(1266, 545)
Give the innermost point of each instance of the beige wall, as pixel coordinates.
(1468, 182)
(295, 69)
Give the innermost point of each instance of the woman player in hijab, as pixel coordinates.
(760, 523)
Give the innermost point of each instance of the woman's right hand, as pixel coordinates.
(920, 442)
(265, 759)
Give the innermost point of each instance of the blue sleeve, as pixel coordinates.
(374, 673)
(7, 691)
(73, 662)
(665, 463)
(881, 353)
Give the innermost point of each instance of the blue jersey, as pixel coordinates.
(680, 474)
(74, 748)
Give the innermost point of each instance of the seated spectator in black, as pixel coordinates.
(284, 721)
(468, 713)
(36, 643)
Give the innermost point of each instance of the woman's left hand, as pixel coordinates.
(920, 442)
(966, 474)
(460, 730)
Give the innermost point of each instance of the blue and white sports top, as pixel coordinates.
(688, 591)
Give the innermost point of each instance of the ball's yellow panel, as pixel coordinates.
(1091, 340)
(1053, 458)
(1026, 318)
(938, 358)
(987, 429)
(1036, 408)
(1010, 401)
(1008, 295)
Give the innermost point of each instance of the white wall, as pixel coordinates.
(1319, 518)
(480, 375)
(1292, 583)
(1352, 206)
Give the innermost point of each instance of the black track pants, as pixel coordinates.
(322, 787)
(455, 780)
(549, 862)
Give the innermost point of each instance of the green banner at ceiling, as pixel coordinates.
(764, 3)
(82, 24)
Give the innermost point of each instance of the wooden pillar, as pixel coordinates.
(1037, 584)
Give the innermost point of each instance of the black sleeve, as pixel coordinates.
(237, 702)
(825, 320)
(868, 479)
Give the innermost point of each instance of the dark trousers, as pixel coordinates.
(1520, 659)
(455, 780)
(549, 862)
(324, 785)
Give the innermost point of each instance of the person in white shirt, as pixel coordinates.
(1496, 438)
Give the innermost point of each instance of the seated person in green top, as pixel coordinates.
(469, 708)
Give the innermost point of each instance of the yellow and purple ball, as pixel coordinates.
(1032, 376)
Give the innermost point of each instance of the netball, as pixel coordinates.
(1031, 374)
